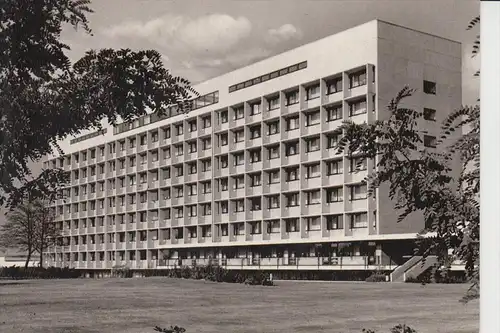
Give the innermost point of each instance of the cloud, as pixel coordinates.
(284, 33)
(216, 33)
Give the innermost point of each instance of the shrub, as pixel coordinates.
(16, 272)
(376, 277)
(172, 329)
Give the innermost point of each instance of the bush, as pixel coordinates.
(172, 329)
(16, 272)
(377, 277)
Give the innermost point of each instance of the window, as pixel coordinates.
(312, 145)
(223, 207)
(255, 156)
(313, 223)
(255, 204)
(291, 148)
(334, 195)
(273, 202)
(429, 141)
(255, 228)
(429, 114)
(313, 197)
(179, 129)
(223, 184)
(312, 171)
(192, 169)
(312, 118)
(192, 125)
(224, 230)
(430, 87)
(273, 103)
(357, 79)
(292, 97)
(223, 139)
(179, 150)
(273, 152)
(192, 211)
(334, 86)
(273, 226)
(255, 180)
(312, 92)
(239, 136)
(179, 212)
(273, 128)
(154, 156)
(239, 206)
(239, 113)
(238, 229)
(358, 192)
(254, 109)
(334, 113)
(357, 164)
(207, 121)
(84, 155)
(292, 225)
(206, 143)
(292, 200)
(143, 140)
(166, 153)
(223, 117)
(357, 108)
(223, 161)
(154, 137)
(206, 187)
(334, 222)
(144, 159)
(206, 165)
(292, 123)
(239, 182)
(192, 147)
(255, 132)
(273, 177)
(292, 174)
(359, 220)
(166, 133)
(206, 209)
(132, 143)
(334, 167)
(239, 159)
(332, 140)
(179, 171)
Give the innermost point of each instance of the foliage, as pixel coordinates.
(377, 277)
(45, 98)
(423, 180)
(121, 272)
(15, 272)
(172, 329)
(396, 329)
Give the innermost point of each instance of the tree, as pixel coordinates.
(46, 233)
(19, 230)
(45, 98)
(422, 180)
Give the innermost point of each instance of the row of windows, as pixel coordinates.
(311, 223)
(269, 76)
(310, 197)
(89, 136)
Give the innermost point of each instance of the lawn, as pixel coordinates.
(137, 305)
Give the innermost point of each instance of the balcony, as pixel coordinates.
(234, 146)
(165, 182)
(273, 138)
(335, 179)
(274, 213)
(291, 108)
(311, 156)
(118, 173)
(291, 186)
(333, 98)
(291, 160)
(311, 183)
(237, 169)
(205, 175)
(359, 118)
(153, 165)
(254, 215)
(291, 134)
(237, 193)
(311, 129)
(272, 163)
(255, 166)
(257, 142)
(356, 205)
(314, 209)
(154, 224)
(293, 211)
(205, 153)
(355, 177)
(311, 103)
(237, 216)
(333, 207)
(271, 188)
(268, 114)
(142, 167)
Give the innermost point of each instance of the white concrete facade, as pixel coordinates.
(255, 168)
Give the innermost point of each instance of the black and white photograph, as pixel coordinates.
(249, 166)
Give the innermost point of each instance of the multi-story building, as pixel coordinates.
(250, 178)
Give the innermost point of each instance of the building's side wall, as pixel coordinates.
(407, 57)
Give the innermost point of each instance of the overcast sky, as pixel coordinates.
(205, 38)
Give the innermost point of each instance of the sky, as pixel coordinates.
(203, 39)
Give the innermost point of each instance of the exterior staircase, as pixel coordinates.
(413, 268)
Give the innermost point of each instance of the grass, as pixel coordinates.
(137, 305)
